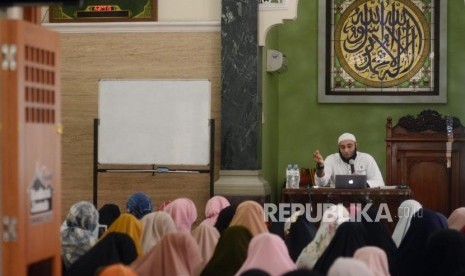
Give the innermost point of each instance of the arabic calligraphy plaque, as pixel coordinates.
(382, 48)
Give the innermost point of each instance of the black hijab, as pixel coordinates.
(300, 235)
(409, 259)
(225, 217)
(111, 249)
(349, 237)
(445, 253)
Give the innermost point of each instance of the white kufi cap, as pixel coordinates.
(346, 136)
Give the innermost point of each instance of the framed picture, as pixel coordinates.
(105, 11)
(382, 51)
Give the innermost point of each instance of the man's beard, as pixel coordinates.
(353, 156)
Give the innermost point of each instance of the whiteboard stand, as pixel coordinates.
(97, 168)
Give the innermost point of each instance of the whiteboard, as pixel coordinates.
(154, 122)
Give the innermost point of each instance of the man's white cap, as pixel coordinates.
(346, 136)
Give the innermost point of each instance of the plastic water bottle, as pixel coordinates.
(296, 177)
(289, 176)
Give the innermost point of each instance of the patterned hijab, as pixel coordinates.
(77, 238)
(129, 225)
(183, 212)
(230, 252)
(334, 216)
(213, 209)
(154, 226)
(251, 215)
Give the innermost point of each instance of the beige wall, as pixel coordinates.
(86, 58)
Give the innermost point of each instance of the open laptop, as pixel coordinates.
(350, 181)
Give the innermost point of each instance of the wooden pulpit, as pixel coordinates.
(423, 154)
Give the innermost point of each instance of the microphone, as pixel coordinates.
(352, 166)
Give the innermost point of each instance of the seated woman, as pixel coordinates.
(78, 237)
(112, 248)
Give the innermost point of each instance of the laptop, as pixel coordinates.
(350, 181)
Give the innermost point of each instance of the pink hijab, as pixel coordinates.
(207, 237)
(268, 252)
(183, 212)
(213, 208)
(375, 258)
(343, 266)
(175, 254)
(456, 220)
(250, 214)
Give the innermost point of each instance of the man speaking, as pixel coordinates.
(347, 161)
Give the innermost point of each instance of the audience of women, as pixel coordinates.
(78, 237)
(236, 241)
(154, 226)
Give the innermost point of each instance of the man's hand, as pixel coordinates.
(318, 158)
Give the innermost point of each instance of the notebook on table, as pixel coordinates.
(350, 181)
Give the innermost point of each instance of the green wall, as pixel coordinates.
(296, 124)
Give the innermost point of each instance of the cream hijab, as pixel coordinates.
(154, 226)
(250, 214)
(405, 213)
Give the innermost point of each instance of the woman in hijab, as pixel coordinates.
(206, 237)
(349, 237)
(175, 254)
(268, 252)
(213, 209)
(405, 213)
(251, 215)
(375, 258)
(154, 226)
(129, 225)
(301, 233)
(230, 252)
(378, 235)
(139, 204)
(225, 217)
(108, 213)
(332, 217)
(444, 253)
(456, 220)
(409, 258)
(183, 212)
(112, 248)
(349, 267)
(77, 238)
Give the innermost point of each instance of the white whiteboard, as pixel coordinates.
(154, 122)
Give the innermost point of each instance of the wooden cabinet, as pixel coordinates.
(30, 149)
(421, 154)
